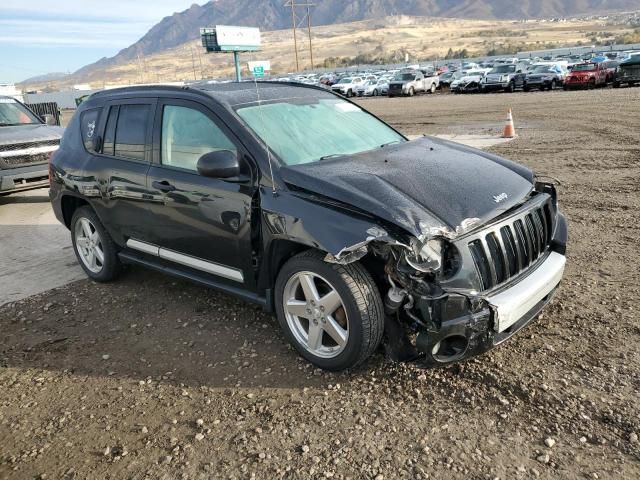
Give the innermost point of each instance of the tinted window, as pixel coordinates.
(110, 132)
(131, 131)
(187, 134)
(88, 123)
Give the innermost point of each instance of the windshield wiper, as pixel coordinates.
(333, 155)
(389, 143)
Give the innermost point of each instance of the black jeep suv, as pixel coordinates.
(299, 200)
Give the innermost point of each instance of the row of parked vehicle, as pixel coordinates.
(542, 76)
(508, 74)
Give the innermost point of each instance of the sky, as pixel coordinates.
(43, 36)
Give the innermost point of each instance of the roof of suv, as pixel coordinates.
(231, 94)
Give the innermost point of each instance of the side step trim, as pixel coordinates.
(239, 292)
(187, 260)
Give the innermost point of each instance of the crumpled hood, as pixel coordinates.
(427, 186)
(29, 133)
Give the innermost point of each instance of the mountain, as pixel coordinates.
(273, 15)
(47, 77)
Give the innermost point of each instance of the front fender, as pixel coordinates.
(317, 223)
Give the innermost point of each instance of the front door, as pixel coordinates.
(198, 222)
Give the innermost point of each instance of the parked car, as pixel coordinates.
(373, 88)
(503, 77)
(448, 77)
(628, 72)
(544, 77)
(469, 82)
(347, 86)
(306, 204)
(586, 75)
(26, 141)
(407, 82)
(610, 66)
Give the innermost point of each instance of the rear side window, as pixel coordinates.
(131, 131)
(88, 123)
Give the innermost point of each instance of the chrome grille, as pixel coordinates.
(510, 248)
(23, 154)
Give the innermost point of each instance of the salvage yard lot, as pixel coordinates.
(109, 381)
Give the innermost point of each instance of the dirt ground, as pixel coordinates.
(151, 377)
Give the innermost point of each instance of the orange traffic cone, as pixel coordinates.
(509, 129)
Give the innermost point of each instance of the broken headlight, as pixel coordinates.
(436, 256)
(427, 258)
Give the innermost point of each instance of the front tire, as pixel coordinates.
(511, 88)
(332, 314)
(412, 92)
(95, 250)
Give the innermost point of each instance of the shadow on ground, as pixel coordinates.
(147, 325)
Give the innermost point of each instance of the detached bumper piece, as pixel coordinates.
(473, 325)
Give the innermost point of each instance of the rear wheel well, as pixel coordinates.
(69, 206)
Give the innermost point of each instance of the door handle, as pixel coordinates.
(163, 186)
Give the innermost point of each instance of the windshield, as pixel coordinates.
(308, 131)
(543, 69)
(585, 67)
(345, 80)
(404, 76)
(504, 69)
(13, 113)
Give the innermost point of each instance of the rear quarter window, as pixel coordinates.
(88, 128)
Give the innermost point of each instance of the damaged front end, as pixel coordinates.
(455, 293)
(466, 247)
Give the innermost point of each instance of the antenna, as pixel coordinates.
(264, 124)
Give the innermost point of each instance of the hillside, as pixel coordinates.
(272, 15)
(384, 40)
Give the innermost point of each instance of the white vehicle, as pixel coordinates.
(373, 88)
(469, 82)
(348, 86)
(411, 82)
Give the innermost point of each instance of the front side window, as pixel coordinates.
(13, 113)
(187, 134)
(304, 131)
(131, 131)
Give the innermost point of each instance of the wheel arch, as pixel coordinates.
(69, 204)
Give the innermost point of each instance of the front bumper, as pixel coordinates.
(486, 322)
(494, 85)
(24, 178)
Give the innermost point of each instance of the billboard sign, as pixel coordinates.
(225, 38)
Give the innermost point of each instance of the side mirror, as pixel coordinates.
(49, 119)
(219, 164)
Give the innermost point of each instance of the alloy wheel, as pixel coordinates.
(315, 314)
(89, 245)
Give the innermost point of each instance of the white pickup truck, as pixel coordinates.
(410, 82)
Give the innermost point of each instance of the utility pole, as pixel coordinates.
(295, 37)
(296, 22)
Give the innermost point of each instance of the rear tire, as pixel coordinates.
(360, 313)
(95, 250)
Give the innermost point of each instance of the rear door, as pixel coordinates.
(121, 159)
(199, 222)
